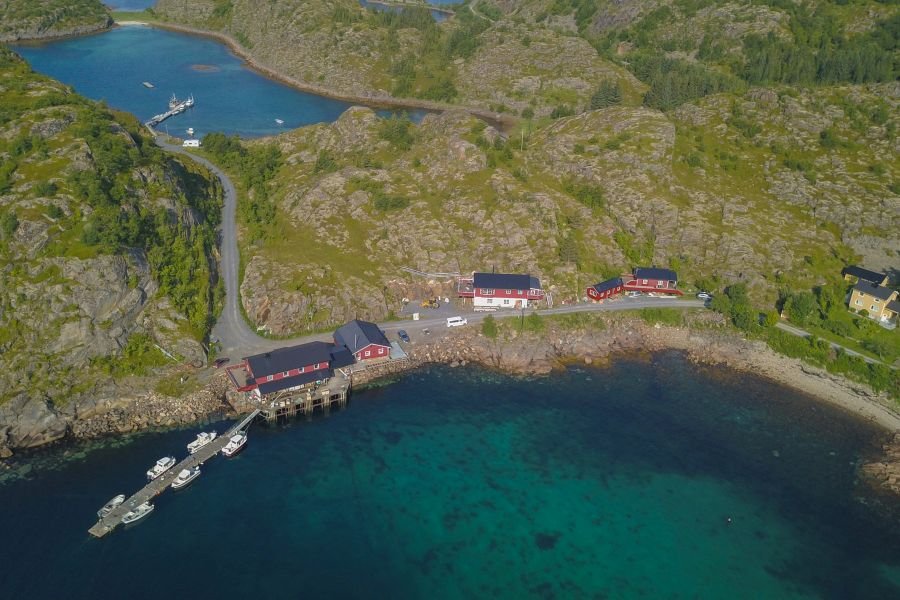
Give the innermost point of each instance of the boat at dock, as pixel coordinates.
(176, 107)
(148, 85)
(137, 514)
(235, 444)
(185, 477)
(111, 505)
(202, 440)
(161, 466)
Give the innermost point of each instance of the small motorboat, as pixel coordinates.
(137, 514)
(235, 444)
(111, 505)
(190, 131)
(161, 466)
(202, 440)
(279, 121)
(185, 477)
(148, 85)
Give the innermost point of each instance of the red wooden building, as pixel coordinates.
(287, 368)
(649, 280)
(364, 340)
(606, 289)
(491, 291)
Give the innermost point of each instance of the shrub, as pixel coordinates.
(489, 327)
(608, 94)
(533, 323)
(9, 222)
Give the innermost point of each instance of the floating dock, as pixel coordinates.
(175, 108)
(156, 487)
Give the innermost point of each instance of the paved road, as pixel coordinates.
(803, 333)
(238, 339)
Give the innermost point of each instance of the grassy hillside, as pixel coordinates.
(34, 19)
(107, 243)
(777, 188)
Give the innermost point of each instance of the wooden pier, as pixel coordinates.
(154, 488)
(289, 404)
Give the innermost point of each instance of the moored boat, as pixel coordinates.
(111, 505)
(202, 439)
(148, 85)
(161, 466)
(235, 444)
(185, 477)
(279, 121)
(137, 513)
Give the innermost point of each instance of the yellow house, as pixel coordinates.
(878, 301)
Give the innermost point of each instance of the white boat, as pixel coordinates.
(235, 444)
(190, 131)
(161, 466)
(279, 121)
(148, 85)
(185, 477)
(202, 440)
(138, 513)
(111, 505)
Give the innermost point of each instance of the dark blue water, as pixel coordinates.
(134, 5)
(229, 96)
(617, 483)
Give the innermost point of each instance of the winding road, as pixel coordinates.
(237, 339)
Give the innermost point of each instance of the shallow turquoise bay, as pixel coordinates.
(615, 483)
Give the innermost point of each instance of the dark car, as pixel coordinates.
(404, 337)
(220, 361)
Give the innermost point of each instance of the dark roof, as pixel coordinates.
(289, 382)
(292, 357)
(879, 291)
(608, 284)
(357, 334)
(654, 273)
(894, 306)
(864, 274)
(506, 281)
(341, 357)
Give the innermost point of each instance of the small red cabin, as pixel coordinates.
(364, 340)
(606, 289)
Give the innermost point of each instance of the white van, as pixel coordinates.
(456, 322)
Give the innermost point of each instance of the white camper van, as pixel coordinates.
(456, 322)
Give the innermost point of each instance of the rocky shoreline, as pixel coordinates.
(706, 341)
(30, 35)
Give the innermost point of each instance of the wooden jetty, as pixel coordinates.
(156, 487)
(290, 403)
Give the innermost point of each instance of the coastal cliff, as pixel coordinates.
(107, 272)
(24, 20)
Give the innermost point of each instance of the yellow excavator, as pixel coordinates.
(431, 303)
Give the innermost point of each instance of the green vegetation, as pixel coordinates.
(40, 17)
(139, 357)
(672, 317)
(489, 327)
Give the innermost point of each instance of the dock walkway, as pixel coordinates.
(156, 487)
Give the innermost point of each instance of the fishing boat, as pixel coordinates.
(185, 477)
(202, 440)
(279, 121)
(148, 85)
(235, 444)
(161, 466)
(190, 131)
(137, 514)
(111, 505)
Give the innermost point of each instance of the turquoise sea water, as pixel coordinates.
(229, 97)
(615, 483)
(436, 14)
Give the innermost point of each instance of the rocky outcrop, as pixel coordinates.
(885, 472)
(23, 20)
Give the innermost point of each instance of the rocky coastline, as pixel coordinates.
(704, 341)
(28, 34)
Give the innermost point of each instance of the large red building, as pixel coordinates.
(648, 280)
(288, 368)
(491, 291)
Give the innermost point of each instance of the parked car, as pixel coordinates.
(632, 294)
(221, 362)
(704, 296)
(456, 322)
(404, 337)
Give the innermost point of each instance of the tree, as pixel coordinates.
(9, 222)
(489, 327)
(802, 307)
(608, 94)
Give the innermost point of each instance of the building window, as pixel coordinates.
(285, 374)
(519, 292)
(506, 301)
(645, 281)
(490, 300)
(269, 378)
(660, 284)
(381, 351)
(872, 307)
(302, 369)
(508, 292)
(316, 366)
(487, 291)
(858, 302)
(368, 353)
